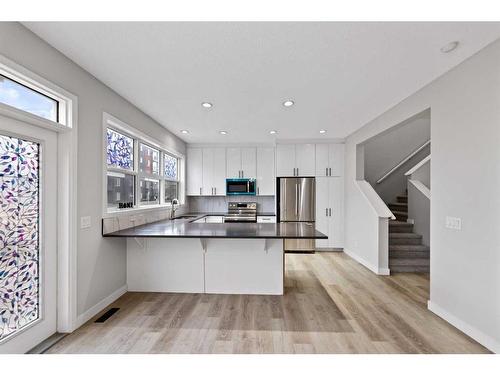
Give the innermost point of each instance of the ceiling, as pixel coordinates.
(340, 75)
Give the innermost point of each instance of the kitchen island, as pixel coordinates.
(235, 258)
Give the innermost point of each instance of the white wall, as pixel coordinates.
(101, 262)
(465, 182)
(387, 150)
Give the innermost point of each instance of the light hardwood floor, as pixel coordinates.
(331, 305)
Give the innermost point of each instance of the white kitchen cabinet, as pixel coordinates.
(233, 160)
(330, 211)
(265, 171)
(295, 160)
(213, 171)
(241, 162)
(219, 171)
(249, 162)
(305, 159)
(194, 171)
(329, 159)
(285, 160)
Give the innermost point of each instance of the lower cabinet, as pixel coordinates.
(330, 211)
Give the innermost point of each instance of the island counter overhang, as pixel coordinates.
(226, 258)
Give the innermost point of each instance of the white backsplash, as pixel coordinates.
(219, 204)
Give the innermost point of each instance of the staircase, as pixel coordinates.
(406, 251)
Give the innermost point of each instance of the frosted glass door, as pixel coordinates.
(27, 235)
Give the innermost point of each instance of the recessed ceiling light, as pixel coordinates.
(450, 47)
(288, 103)
(273, 132)
(223, 132)
(185, 131)
(206, 105)
(322, 131)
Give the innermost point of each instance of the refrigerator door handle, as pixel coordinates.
(297, 204)
(326, 211)
(330, 211)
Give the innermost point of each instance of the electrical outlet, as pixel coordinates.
(85, 222)
(453, 223)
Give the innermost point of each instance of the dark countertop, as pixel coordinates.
(183, 228)
(225, 213)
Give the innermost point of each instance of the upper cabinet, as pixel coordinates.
(265, 171)
(206, 171)
(295, 160)
(241, 162)
(329, 160)
(194, 171)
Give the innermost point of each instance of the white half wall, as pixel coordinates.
(465, 183)
(101, 262)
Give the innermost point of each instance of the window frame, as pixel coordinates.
(140, 138)
(66, 103)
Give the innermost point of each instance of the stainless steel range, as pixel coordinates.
(241, 212)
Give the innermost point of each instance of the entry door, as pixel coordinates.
(28, 219)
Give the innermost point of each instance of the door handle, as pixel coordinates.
(330, 171)
(297, 199)
(215, 191)
(326, 171)
(326, 211)
(297, 171)
(330, 211)
(258, 191)
(242, 174)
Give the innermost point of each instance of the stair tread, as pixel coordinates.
(409, 262)
(409, 247)
(402, 213)
(403, 204)
(399, 223)
(404, 235)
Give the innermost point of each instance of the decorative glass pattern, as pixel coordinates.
(19, 234)
(170, 167)
(149, 159)
(26, 99)
(120, 150)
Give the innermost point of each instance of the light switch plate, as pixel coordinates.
(85, 222)
(453, 223)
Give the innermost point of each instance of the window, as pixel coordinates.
(138, 175)
(26, 99)
(121, 188)
(120, 150)
(149, 161)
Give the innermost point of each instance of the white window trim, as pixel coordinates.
(67, 148)
(109, 121)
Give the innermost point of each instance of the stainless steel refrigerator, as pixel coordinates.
(296, 203)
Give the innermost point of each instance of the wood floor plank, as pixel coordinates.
(331, 304)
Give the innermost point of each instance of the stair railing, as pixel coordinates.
(398, 165)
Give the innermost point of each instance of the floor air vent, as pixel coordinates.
(107, 315)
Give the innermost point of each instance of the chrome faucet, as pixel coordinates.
(175, 202)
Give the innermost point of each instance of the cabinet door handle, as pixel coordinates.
(326, 211)
(215, 191)
(242, 174)
(297, 172)
(258, 191)
(330, 171)
(326, 171)
(200, 191)
(330, 212)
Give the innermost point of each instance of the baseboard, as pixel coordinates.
(482, 338)
(83, 318)
(371, 267)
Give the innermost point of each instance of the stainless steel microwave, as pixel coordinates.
(240, 186)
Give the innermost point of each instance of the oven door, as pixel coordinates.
(240, 186)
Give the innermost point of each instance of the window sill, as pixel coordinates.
(138, 210)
